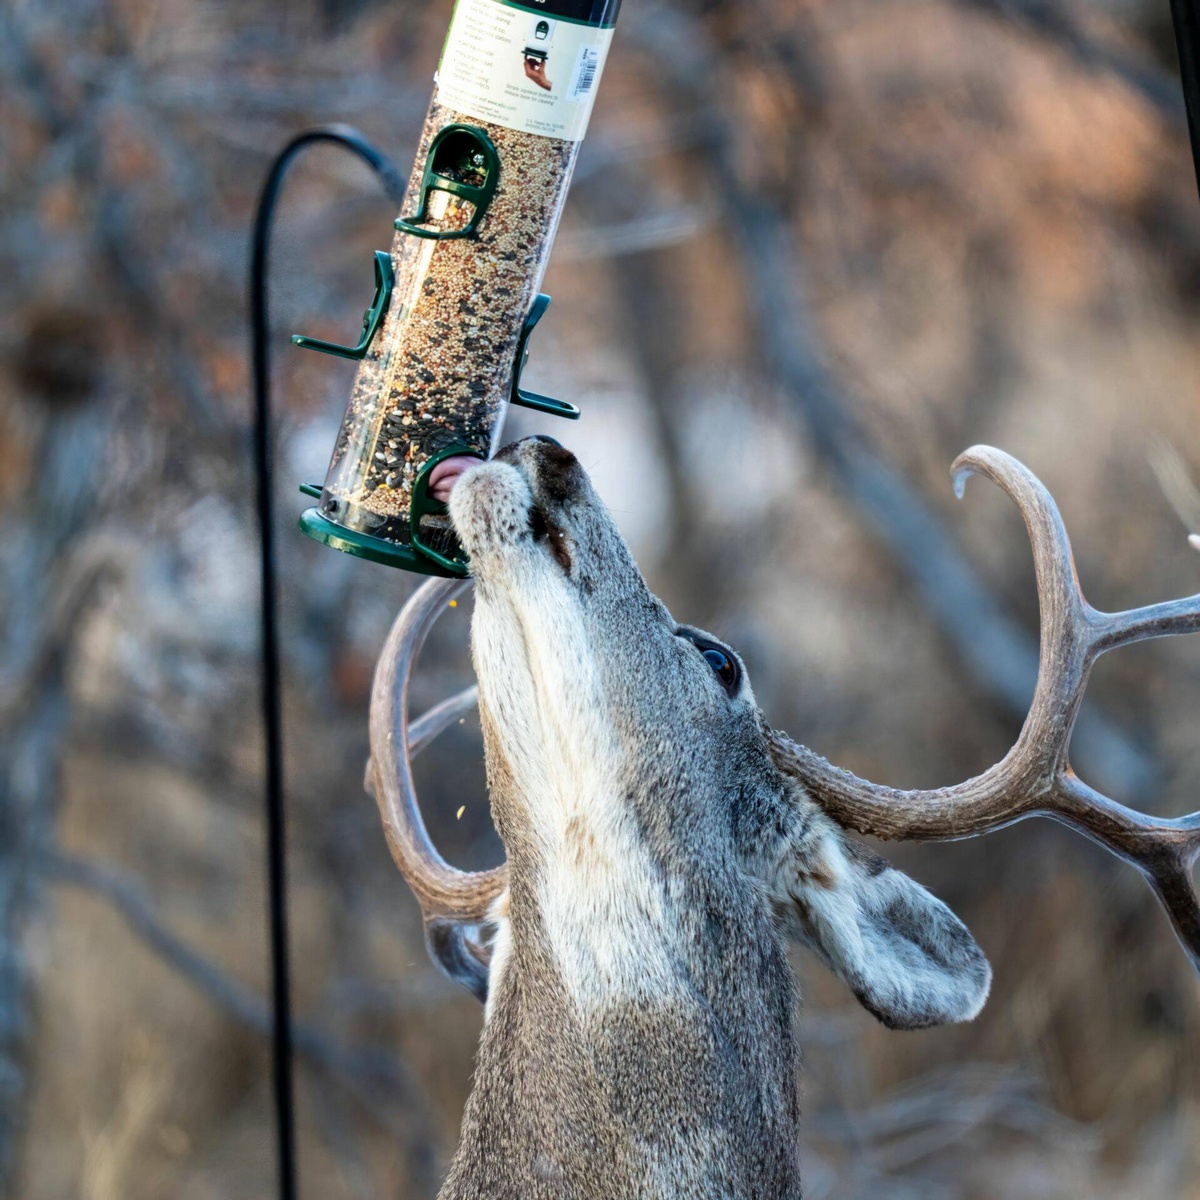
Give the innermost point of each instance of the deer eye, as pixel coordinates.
(724, 665)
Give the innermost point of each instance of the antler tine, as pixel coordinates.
(1164, 849)
(449, 898)
(1035, 777)
(1138, 624)
(1065, 658)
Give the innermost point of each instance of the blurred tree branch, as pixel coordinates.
(49, 588)
(998, 652)
(1059, 26)
(371, 1075)
(76, 129)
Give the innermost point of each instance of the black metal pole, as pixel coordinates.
(281, 1047)
(1185, 15)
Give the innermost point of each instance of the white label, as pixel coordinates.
(522, 69)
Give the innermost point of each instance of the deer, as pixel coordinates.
(664, 843)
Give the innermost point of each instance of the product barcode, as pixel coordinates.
(589, 62)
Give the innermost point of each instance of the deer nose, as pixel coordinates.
(510, 452)
(550, 456)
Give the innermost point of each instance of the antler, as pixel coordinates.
(452, 901)
(1035, 777)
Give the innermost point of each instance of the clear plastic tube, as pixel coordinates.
(439, 372)
(516, 81)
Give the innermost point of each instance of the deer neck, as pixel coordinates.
(637, 983)
(604, 822)
(587, 896)
(638, 1040)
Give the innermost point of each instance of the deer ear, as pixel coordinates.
(910, 961)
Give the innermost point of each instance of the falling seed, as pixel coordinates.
(458, 815)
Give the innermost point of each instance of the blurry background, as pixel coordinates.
(815, 248)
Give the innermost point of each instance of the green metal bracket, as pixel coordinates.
(457, 153)
(522, 398)
(423, 505)
(384, 281)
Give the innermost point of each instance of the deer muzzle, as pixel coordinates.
(514, 500)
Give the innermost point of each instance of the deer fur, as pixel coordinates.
(640, 1034)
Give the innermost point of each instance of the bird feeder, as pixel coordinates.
(446, 336)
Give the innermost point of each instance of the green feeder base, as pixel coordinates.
(363, 545)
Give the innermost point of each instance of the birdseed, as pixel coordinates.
(440, 369)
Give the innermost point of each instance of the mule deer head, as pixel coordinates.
(661, 839)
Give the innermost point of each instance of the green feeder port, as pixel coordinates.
(463, 163)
